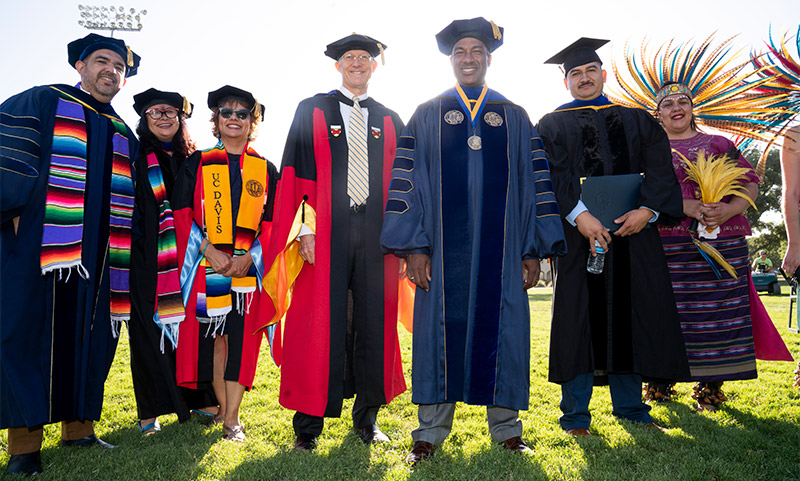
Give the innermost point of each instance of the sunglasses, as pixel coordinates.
(157, 114)
(241, 114)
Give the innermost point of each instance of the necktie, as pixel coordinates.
(357, 164)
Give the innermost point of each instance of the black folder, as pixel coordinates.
(609, 196)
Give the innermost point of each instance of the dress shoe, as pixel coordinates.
(579, 433)
(372, 434)
(90, 440)
(516, 445)
(303, 443)
(421, 451)
(28, 464)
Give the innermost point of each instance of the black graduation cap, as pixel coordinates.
(355, 41)
(487, 32)
(148, 98)
(219, 96)
(81, 48)
(581, 52)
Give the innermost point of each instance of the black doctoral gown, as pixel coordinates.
(624, 320)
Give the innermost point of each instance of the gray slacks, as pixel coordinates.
(436, 422)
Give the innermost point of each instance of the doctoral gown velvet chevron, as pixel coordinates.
(478, 214)
(625, 320)
(56, 343)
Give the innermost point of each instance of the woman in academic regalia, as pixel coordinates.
(156, 303)
(223, 212)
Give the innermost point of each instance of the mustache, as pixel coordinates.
(583, 84)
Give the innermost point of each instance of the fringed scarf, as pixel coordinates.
(213, 186)
(62, 235)
(169, 306)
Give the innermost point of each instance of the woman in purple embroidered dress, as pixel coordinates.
(714, 310)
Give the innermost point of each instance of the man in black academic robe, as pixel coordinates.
(56, 335)
(339, 336)
(621, 325)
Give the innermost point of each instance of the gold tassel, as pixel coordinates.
(187, 107)
(496, 31)
(380, 49)
(715, 254)
(130, 56)
(257, 110)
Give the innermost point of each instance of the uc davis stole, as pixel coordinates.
(236, 240)
(472, 337)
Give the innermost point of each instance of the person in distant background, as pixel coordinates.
(762, 262)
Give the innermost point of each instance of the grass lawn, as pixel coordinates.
(755, 436)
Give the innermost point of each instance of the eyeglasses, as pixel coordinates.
(350, 58)
(241, 114)
(157, 114)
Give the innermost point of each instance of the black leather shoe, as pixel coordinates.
(372, 434)
(28, 464)
(303, 443)
(90, 440)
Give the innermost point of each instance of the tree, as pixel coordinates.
(767, 235)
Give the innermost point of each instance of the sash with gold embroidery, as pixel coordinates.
(213, 187)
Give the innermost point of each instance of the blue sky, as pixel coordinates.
(274, 48)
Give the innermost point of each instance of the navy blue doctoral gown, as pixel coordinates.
(478, 214)
(56, 344)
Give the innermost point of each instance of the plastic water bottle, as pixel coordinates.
(596, 263)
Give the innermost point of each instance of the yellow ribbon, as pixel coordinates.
(473, 111)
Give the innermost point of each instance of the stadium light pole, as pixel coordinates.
(111, 18)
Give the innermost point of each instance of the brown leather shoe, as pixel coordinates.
(516, 445)
(579, 433)
(421, 451)
(372, 434)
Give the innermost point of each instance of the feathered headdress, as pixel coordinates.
(783, 74)
(721, 87)
(781, 68)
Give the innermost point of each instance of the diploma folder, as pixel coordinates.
(609, 196)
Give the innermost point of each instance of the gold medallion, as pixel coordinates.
(493, 118)
(454, 117)
(474, 142)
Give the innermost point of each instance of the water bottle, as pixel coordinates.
(596, 263)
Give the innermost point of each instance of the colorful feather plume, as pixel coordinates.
(717, 176)
(710, 253)
(724, 88)
(783, 73)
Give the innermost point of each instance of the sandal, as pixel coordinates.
(149, 429)
(235, 434)
(207, 418)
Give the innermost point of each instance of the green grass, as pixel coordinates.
(755, 436)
